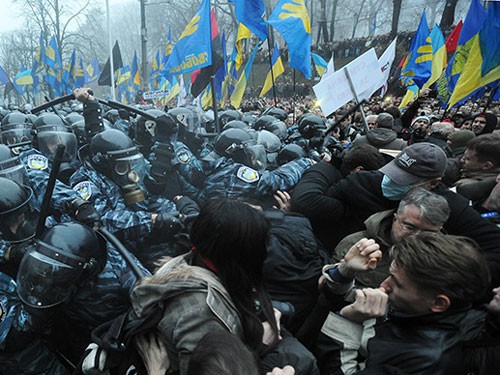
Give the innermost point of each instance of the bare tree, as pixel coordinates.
(448, 17)
(396, 11)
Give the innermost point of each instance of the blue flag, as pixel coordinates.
(418, 65)
(4, 78)
(251, 14)
(290, 18)
(193, 50)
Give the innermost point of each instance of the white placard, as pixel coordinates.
(155, 94)
(334, 91)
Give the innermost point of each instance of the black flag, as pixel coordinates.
(105, 77)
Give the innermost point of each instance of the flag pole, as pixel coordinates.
(271, 67)
(353, 90)
(111, 62)
(294, 95)
(214, 106)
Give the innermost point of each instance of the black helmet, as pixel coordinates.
(279, 113)
(64, 258)
(73, 117)
(271, 143)
(15, 118)
(11, 167)
(187, 120)
(228, 115)
(249, 118)
(164, 128)
(112, 115)
(47, 119)
(18, 216)
(115, 155)
(31, 117)
(272, 124)
(241, 146)
(236, 124)
(290, 152)
(311, 126)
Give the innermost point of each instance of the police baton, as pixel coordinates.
(350, 112)
(44, 210)
(111, 238)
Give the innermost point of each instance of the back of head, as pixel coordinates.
(278, 113)
(486, 148)
(460, 138)
(385, 120)
(365, 156)
(434, 208)
(222, 353)
(394, 111)
(442, 128)
(442, 264)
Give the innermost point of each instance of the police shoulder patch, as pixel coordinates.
(39, 162)
(84, 188)
(183, 156)
(248, 174)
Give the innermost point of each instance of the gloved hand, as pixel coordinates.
(84, 212)
(167, 225)
(162, 163)
(17, 251)
(166, 128)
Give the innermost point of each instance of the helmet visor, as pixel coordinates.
(257, 157)
(44, 281)
(14, 170)
(15, 135)
(49, 140)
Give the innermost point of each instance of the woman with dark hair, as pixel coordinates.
(219, 287)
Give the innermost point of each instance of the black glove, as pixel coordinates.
(166, 128)
(17, 251)
(162, 164)
(84, 212)
(167, 225)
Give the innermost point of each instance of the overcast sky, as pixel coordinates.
(11, 15)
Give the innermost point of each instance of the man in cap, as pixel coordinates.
(350, 201)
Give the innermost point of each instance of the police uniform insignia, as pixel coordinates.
(39, 162)
(248, 174)
(84, 188)
(183, 157)
(182, 118)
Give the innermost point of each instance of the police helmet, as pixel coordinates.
(11, 167)
(276, 112)
(241, 146)
(18, 215)
(15, 118)
(229, 115)
(249, 118)
(272, 124)
(73, 117)
(236, 124)
(61, 260)
(271, 143)
(187, 120)
(290, 152)
(164, 128)
(311, 126)
(112, 115)
(47, 119)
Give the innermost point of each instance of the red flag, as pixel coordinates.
(402, 62)
(201, 77)
(452, 41)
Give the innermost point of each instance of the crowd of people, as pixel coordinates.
(270, 239)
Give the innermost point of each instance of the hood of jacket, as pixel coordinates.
(380, 137)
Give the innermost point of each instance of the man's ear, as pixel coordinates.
(488, 165)
(434, 183)
(440, 304)
(357, 169)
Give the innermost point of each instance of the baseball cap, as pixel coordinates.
(418, 162)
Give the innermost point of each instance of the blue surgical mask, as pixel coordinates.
(393, 191)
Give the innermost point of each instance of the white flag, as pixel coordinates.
(330, 69)
(181, 99)
(385, 62)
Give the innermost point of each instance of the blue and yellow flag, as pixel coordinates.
(124, 74)
(471, 26)
(242, 35)
(290, 18)
(439, 55)
(92, 71)
(320, 64)
(240, 87)
(169, 46)
(136, 76)
(193, 50)
(78, 75)
(68, 70)
(418, 65)
(483, 62)
(278, 69)
(251, 14)
(4, 78)
(52, 55)
(411, 95)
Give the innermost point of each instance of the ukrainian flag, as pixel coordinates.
(290, 18)
(135, 71)
(242, 35)
(483, 63)
(320, 64)
(418, 65)
(239, 90)
(278, 69)
(471, 26)
(124, 75)
(251, 14)
(439, 55)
